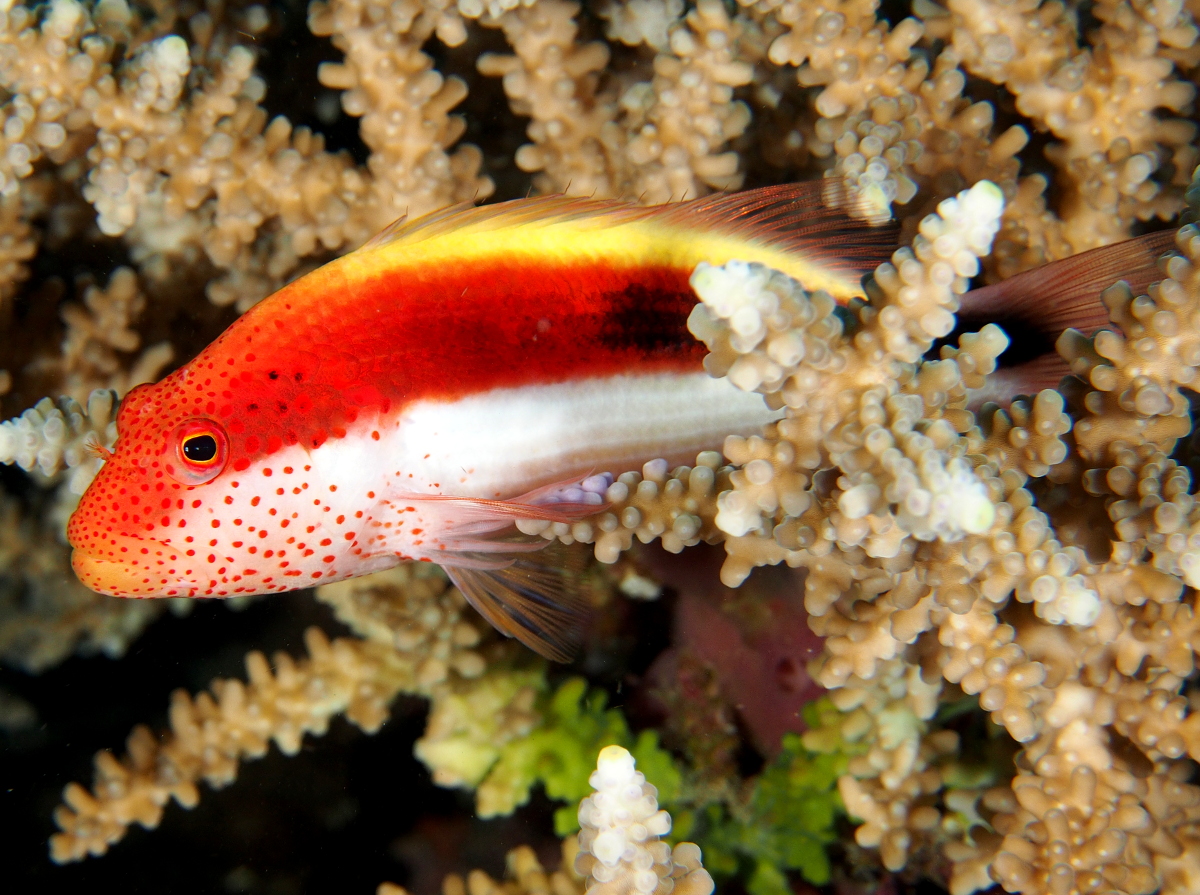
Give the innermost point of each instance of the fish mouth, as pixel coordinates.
(138, 567)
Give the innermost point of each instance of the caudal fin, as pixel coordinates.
(1035, 306)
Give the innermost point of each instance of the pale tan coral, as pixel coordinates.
(635, 22)
(412, 608)
(413, 641)
(17, 245)
(1100, 101)
(890, 786)
(524, 875)
(681, 123)
(404, 103)
(201, 175)
(674, 507)
(469, 724)
(53, 437)
(858, 432)
(100, 331)
(658, 140)
(1085, 821)
(577, 144)
(211, 734)
(619, 846)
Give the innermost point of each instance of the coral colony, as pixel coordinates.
(1031, 567)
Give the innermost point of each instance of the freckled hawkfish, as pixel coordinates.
(418, 397)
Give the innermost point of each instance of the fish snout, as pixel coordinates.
(127, 566)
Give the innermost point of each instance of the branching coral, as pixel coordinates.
(413, 642)
(619, 845)
(618, 849)
(933, 553)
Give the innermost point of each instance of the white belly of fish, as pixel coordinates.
(508, 441)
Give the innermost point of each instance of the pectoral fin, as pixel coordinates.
(525, 586)
(537, 599)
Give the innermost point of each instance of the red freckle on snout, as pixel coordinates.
(228, 499)
(216, 523)
(267, 472)
(241, 465)
(328, 558)
(349, 536)
(254, 501)
(375, 435)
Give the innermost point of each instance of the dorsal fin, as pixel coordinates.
(811, 218)
(513, 213)
(814, 218)
(388, 233)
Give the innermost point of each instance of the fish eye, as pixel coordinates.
(202, 448)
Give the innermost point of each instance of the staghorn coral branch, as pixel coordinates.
(413, 643)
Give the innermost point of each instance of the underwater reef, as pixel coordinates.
(906, 639)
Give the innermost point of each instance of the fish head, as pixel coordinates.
(190, 505)
(135, 532)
